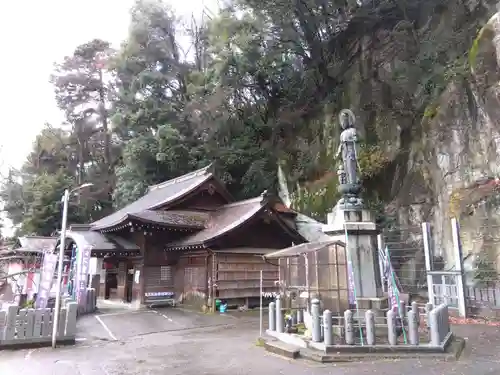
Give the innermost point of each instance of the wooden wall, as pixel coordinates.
(238, 276)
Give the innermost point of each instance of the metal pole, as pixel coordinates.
(60, 268)
(261, 308)
(459, 279)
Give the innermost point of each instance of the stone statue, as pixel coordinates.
(347, 147)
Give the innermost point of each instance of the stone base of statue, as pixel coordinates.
(354, 225)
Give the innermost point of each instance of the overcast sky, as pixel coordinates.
(35, 34)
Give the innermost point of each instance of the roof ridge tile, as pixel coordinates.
(187, 176)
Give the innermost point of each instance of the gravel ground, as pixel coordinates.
(179, 342)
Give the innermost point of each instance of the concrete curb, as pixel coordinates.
(452, 353)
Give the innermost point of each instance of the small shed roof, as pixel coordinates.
(101, 243)
(257, 251)
(304, 248)
(35, 243)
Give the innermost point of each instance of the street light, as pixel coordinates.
(65, 200)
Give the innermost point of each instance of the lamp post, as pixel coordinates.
(65, 200)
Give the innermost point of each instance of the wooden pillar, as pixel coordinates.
(121, 279)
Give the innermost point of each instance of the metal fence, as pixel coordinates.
(317, 274)
(480, 241)
(406, 250)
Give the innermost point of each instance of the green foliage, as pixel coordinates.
(262, 84)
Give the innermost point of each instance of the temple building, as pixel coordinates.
(187, 240)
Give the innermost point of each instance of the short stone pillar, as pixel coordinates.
(391, 327)
(294, 317)
(316, 321)
(370, 327)
(279, 316)
(414, 308)
(327, 327)
(300, 316)
(272, 316)
(413, 327)
(349, 327)
(428, 309)
(439, 324)
(402, 310)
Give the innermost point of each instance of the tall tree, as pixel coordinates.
(83, 93)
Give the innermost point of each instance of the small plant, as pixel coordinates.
(29, 304)
(260, 342)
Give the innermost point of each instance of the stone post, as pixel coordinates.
(391, 327)
(327, 327)
(370, 327)
(316, 322)
(413, 328)
(414, 308)
(402, 311)
(279, 316)
(428, 309)
(294, 317)
(349, 327)
(434, 317)
(299, 316)
(272, 316)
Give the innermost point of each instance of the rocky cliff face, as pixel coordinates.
(453, 169)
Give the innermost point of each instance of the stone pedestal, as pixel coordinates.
(356, 228)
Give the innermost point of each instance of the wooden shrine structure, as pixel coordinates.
(188, 239)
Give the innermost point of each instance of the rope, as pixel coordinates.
(354, 286)
(396, 293)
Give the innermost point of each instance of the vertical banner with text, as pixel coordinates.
(83, 263)
(46, 279)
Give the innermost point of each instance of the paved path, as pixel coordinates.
(196, 344)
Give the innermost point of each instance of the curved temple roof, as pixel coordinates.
(156, 196)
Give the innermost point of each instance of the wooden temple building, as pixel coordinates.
(188, 239)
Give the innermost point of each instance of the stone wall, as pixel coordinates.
(33, 327)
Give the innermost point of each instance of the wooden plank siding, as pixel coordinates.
(238, 276)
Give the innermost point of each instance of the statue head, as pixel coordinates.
(347, 119)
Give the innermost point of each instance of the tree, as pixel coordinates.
(83, 94)
(148, 160)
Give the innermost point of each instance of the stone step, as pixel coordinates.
(283, 349)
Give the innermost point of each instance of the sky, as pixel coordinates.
(35, 34)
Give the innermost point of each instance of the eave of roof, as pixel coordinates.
(249, 208)
(222, 222)
(305, 248)
(36, 243)
(101, 243)
(181, 219)
(157, 196)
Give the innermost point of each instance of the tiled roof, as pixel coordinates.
(185, 219)
(226, 218)
(100, 242)
(37, 243)
(156, 196)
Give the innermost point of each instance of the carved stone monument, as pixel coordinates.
(349, 185)
(352, 223)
